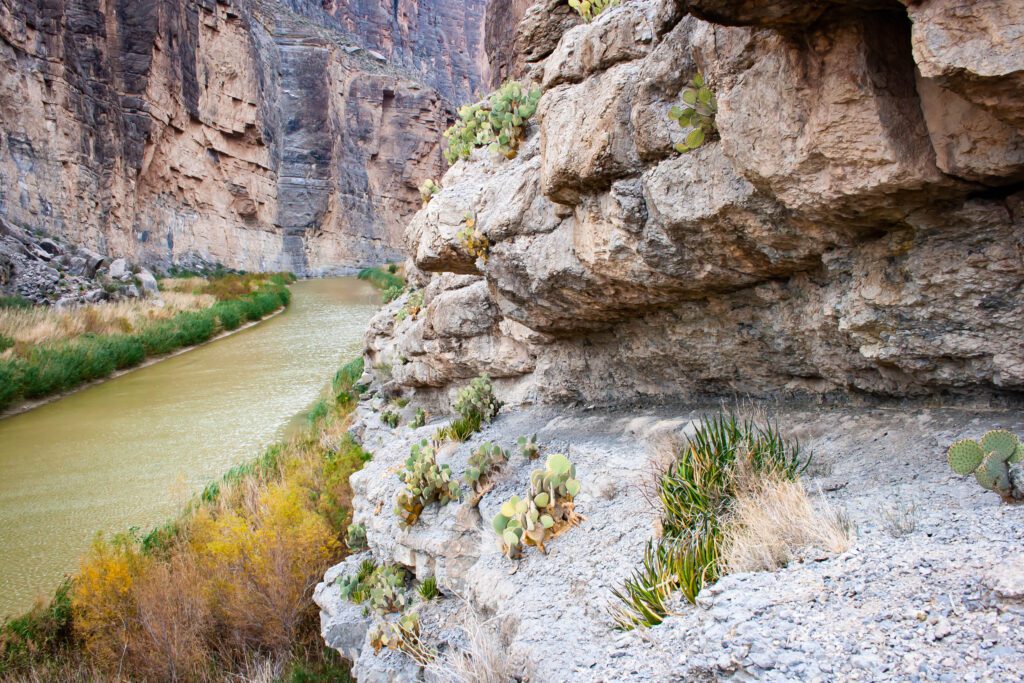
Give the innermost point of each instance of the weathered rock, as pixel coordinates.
(148, 282)
(119, 269)
(973, 49)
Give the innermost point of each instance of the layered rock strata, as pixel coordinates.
(854, 227)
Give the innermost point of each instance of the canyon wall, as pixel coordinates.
(230, 131)
(855, 226)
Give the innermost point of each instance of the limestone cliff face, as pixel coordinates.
(855, 227)
(232, 131)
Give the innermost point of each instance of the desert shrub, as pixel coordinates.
(5, 342)
(390, 418)
(381, 279)
(392, 293)
(345, 384)
(43, 633)
(427, 191)
(317, 412)
(497, 123)
(724, 461)
(588, 9)
(16, 302)
(697, 114)
(425, 482)
(229, 313)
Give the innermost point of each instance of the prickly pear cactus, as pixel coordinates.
(477, 401)
(532, 520)
(425, 482)
(497, 122)
(995, 462)
(528, 447)
(355, 537)
(588, 9)
(484, 461)
(428, 189)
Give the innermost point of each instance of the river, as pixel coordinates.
(131, 451)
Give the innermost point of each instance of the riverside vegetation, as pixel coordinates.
(45, 351)
(222, 591)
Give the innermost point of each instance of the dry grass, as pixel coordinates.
(483, 660)
(28, 327)
(771, 519)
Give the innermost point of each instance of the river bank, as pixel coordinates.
(161, 433)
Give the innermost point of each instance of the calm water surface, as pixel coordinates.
(130, 451)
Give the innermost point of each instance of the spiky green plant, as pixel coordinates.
(588, 9)
(460, 429)
(425, 482)
(390, 418)
(995, 462)
(428, 189)
(484, 461)
(497, 123)
(697, 114)
(428, 589)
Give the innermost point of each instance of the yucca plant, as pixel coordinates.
(697, 113)
(428, 589)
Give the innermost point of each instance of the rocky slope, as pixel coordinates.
(856, 227)
(852, 234)
(232, 131)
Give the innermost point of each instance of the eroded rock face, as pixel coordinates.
(231, 131)
(838, 235)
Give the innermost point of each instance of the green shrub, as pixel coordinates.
(588, 9)
(5, 343)
(229, 313)
(381, 279)
(697, 114)
(18, 302)
(41, 634)
(317, 413)
(497, 123)
(11, 372)
(390, 418)
(392, 293)
(695, 493)
(345, 383)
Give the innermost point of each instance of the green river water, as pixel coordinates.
(130, 451)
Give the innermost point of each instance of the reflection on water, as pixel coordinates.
(129, 451)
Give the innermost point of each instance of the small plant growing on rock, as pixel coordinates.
(528, 447)
(401, 636)
(484, 461)
(428, 189)
(995, 462)
(413, 306)
(390, 418)
(497, 123)
(533, 520)
(474, 241)
(392, 293)
(428, 589)
(355, 537)
(386, 589)
(419, 419)
(460, 429)
(425, 482)
(478, 400)
(697, 113)
(588, 9)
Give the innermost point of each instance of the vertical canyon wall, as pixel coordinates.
(260, 134)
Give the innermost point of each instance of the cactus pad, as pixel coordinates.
(1018, 455)
(1000, 441)
(965, 456)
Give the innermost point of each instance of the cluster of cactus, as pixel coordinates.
(697, 114)
(355, 537)
(412, 306)
(496, 123)
(419, 419)
(588, 9)
(478, 400)
(487, 458)
(994, 462)
(355, 587)
(528, 447)
(425, 482)
(390, 418)
(401, 636)
(386, 589)
(532, 520)
(473, 241)
(428, 189)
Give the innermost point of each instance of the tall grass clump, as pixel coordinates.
(345, 383)
(716, 480)
(15, 302)
(383, 280)
(217, 593)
